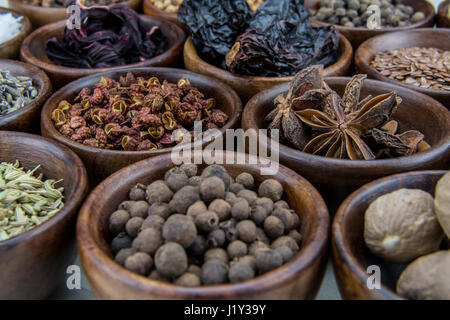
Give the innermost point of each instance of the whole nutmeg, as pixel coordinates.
(117, 221)
(196, 208)
(176, 179)
(240, 271)
(137, 192)
(240, 210)
(237, 248)
(189, 169)
(160, 209)
(188, 280)
(286, 241)
(221, 208)
(216, 238)
(246, 179)
(184, 198)
(216, 254)
(248, 195)
(207, 221)
(171, 260)
(266, 203)
(148, 241)
(123, 254)
(246, 230)
(217, 171)
(153, 221)
(121, 241)
(214, 272)
(158, 191)
(401, 226)
(258, 214)
(199, 246)
(267, 260)
(285, 252)
(271, 189)
(236, 188)
(212, 188)
(133, 226)
(257, 245)
(140, 263)
(285, 216)
(139, 209)
(442, 203)
(274, 227)
(181, 229)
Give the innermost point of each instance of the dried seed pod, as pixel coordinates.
(148, 241)
(181, 229)
(140, 263)
(171, 260)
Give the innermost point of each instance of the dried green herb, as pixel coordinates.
(15, 92)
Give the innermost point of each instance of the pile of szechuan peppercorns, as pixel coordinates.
(207, 229)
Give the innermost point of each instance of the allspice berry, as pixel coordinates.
(221, 208)
(267, 260)
(274, 227)
(123, 254)
(153, 221)
(155, 275)
(285, 252)
(207, 221)
(199, 246)
(229, 226)
(294, 234)
(133, 226)
(188, 280)
(159, 209)
(246, 179)
(236, 188)
(240, 271)
(181, 229)
(212, 188)
(216, 238)
(121, 241)
(195, 181)
(216, 254)
(281, 204)
(240, 210)
(194, 269)
(171, 260)
(196, 208)
(248, 259)
(271, 189)
(257, 245)
(117, 221)
(237, 248)
(140, 263)
(126, 205)
(139, 209)
(189, 169)
(261, 236)
(158, 191)
(214, 272)
(184, 198)
(286, 241)
(217, 171)
(246, 231)
(137, 192)
(148, 241)
(231, 198)
(266, 203)
(176, 179)
(285, 216)
(248, 195)
(258, 214)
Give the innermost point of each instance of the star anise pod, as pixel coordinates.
(339, 125)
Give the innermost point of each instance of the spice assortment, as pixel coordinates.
(276, 40)
(195, 229)
(66, 3)
(107, 37)
(26, 200)
(427, 68)
(170, 6)
(360, 13)
(12, 26)
(135, 113)
(407, 225)
(15, 92)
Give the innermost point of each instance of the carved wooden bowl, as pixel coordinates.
(298, 279)
(351, 257)
(10, 48)
(33, 51)
(26, 119)
(34, 263)
(336, 178)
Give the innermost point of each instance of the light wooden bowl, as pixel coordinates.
(10, 49)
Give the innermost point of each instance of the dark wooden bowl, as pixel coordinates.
(356, 36)
(336, 178)
(150, 10)
(26, 119)
(40, 16)
(33, 51)
(443, 20)
(436, 38)
(248, 86)
(34, 263)
(100, 163)
(351, 257)
(298, 279)
(10, 49)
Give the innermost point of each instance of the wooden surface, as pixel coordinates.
(298, 279)
(10, 49)
(150, 10)
(248, 86)
(34, 263)
(356, 36)
(40, 16)
(351, 257)
(100, 163)
(33, 51)
(26, 119)
(336, 178)
(443, 20)
(435, 38)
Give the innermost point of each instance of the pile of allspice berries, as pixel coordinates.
(193, 230)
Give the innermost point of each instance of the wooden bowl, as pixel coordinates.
(443, 20)
(10, 48)
(351, 257)
(40, 16)
(150, 10)
(336, 178)
(356, 36)
(298, 279)
(100, 163)
(33, 51)
(26, 119)
(248, 86)
(436, 38)
(34, 263)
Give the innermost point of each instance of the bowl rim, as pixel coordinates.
(162, 13)
(55, 134)
(363, 64)
(36, 102)
(428, 19)
(29, 6)
(399, 162)
(70, 204)
(26, 26)
(306, 256)
(340, 244)
(51, 67)
(345, 48)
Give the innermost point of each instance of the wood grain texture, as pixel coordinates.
(100, 163)
(357, 36)
(34, 263)
(26, 119)
(33, 52)
(41, 16)
(435, 38)
(150, 10)
(298, 279)
(351, 257)
(248, 86)
(336, 178)
(10, 49)
(443, 20)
